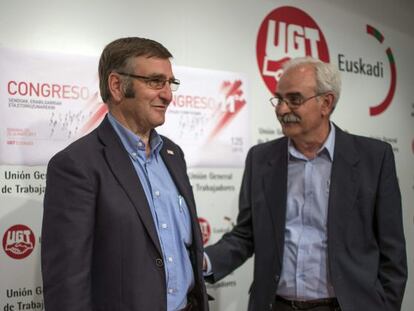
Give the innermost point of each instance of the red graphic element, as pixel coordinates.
(205, 229)
(285, 33)
(18, 241)
(230, 108)
(376, 110)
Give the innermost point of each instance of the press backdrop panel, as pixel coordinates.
(228, 56)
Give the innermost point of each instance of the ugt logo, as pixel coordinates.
(18, 241)
(285, 33)
(205, 229)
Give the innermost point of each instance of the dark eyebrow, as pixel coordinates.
(160, 76)
(156, 76)
(294, 94)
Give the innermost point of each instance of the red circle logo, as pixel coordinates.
(18, 241)
(286, 33)
(205, 229)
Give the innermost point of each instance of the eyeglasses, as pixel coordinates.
(155, 83)
(294, 101)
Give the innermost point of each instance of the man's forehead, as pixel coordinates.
(296, 80)
(299, 71)
(145, 59)
(153, 65)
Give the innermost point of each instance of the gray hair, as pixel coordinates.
(328, 77)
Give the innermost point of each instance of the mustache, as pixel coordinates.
(288, 118)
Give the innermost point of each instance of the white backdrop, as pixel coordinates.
(212, 35)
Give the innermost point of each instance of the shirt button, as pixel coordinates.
(159, 262)
(170, 259)
(164, 226)
(140, 144)
(170, 290)
(157, 193)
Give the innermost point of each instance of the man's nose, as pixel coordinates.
(166, 93)
(283, 107)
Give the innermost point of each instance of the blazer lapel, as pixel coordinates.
(123, 170)
(344, 181)
(275, 188)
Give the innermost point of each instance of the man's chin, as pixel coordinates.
(159, 122)
(289, 129)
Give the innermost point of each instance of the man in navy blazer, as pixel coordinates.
(120, 229)
(319, 208)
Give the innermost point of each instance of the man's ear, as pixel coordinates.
(115, 87)
(328, 103)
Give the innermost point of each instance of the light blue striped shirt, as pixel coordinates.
(168, 209)
(305, 261)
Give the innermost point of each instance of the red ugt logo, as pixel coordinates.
(286, 33)
(18, 241)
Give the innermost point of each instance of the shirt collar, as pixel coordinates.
(329, 145)
(132, 142)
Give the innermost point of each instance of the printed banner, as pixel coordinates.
(49, 100)
(208, 117)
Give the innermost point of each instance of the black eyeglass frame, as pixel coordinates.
(291, 105)
(154, 83)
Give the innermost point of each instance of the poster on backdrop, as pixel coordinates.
(208, 117)
(49, 100)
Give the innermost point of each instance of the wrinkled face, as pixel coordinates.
(141, 103)
(308, 119)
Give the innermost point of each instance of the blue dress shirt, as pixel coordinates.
(168, 209)
(305, 273)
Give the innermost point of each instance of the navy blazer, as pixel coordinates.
(100, 248)
(366, 244)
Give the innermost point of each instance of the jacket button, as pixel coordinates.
(159, 262)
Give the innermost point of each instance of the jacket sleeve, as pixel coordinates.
(236, 246)
(390, 234)
(67, 236)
